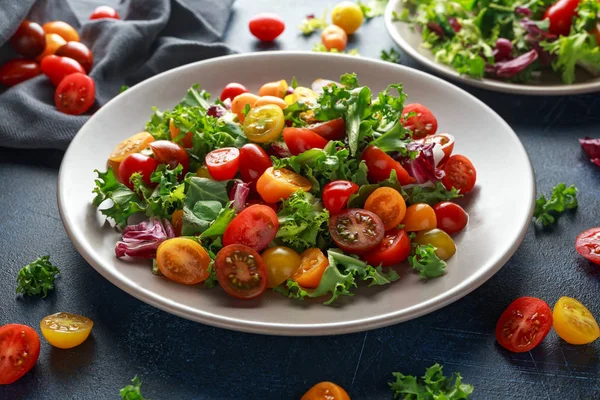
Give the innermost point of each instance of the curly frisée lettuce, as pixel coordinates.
(432, 386)
(125, 202)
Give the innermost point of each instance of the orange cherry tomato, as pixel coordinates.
(419, 217)
(239, 103)
(276, 184)
(278, 101)
(312, 266)
(326, 391)
(62, 29)
(334, 37)
(387, 204)
(53, 43)
(276, 89)
(134, 144)
(183, 260)
(187, 139)
(177, 221)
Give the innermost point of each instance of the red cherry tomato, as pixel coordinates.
(336, 195)
(524, 324)
(254, 227)
(422, 124)
(29, 40)
(356, 230)
(231, 90)
(298, 140)
(17, 71)
(443, 139)
(56, 68)
(254, 161)
(252, 202)
(588, 245)
(241, 271)
(330, 130)
(172, 154)
(137, 162)
(75, 94)
(223, 163)
(266, 26)
(19, 351)
(561, 16)
(393, 249)
(78, 52)
(105, 12)
(460, 173)
(450, 217)
(380, 166)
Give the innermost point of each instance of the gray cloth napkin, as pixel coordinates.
(152, 36)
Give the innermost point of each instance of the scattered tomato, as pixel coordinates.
(53, 43)
(336, 195)
(588, 244)
(18, 70)
(422, 124)
(241, 271)
(419, 217)
(78, 52)
(29, 40)
(75, 94)
(312, 266)
(298, 140)
(137, 162)
(266, 27)
(275, 89)
(183, 260)
(561, 16)
(348, 16)
(326, 391)
(105, 12)
(281, 263)
(450, 217)
(133, 144)
(172, 154)
(393, 249)
(524, 324)
(445, 140)
(277, 184)
(330, 130)
(573, 322)
(356, 230)
(186, 141)
(264, 124)
(56, 68)
(62, 29)
(223, 163)
(381, 165)
(19, 351)
(177, 221)
(255, 227)
(66, 330)
(445, 247)
(334, 37)
(239, 104)
(460, 174)
(254, 161)
(387, 204)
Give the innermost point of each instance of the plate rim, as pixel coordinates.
(287, 329)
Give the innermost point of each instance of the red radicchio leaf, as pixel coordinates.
(422, 168)
(238, 194)
(280, 149)
(592, 149)
(143, 239)
(508, 69)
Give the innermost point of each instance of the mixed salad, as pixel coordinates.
(513, 40)
(304, 190)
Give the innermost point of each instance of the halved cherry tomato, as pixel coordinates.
(356, 230)
(231, 90)
(423, 124)
(29, 40)
(264, 124)
(312, 266)
(281, 263)
(62, 29)
(450, 217)
(348, 16)
(336, 195)
(276, 89)
(252, 202)
(223, 163)
(172, 154)
(78, 52)
(75, 94)
(303, 94)
(419, 217)
(53, 43)
(18, 70)
(177, 221)
(561, 16)
(277, 184)
(19, 351)
(186, 141)
(137, 162)
(264, 100)
(65, 330)
(588, 244)
(298, 140)
(105, 12)
(524, 324)
(573, 322)
(393, 249)
(380, 166)
(134, 144)
(266, 27)
(330, 130)
(387, 204)
(241, 271)
(443, 243)
(445, 140)
(326, 391)
(57, 68)
(239, 102)
(255, 227)
(254, 161)
(183, 260)
(460, 174)
(334, 37)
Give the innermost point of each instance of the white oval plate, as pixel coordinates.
(550, 84)
(500, 207)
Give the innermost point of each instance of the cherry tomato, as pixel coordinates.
(277, 184)
(183, 260)
(264, 124)
(330, 130)
(573, 322)
(78, 52)
(57, 68)
(281, 262)
(588, 244)
(334, 37)
(356, 230)
(251, 202)
(445, 247)
(177, 221)
(241, 271)
(348, 16)
(65, 330)
(186, 141)
(19, 351)
(561, 16)
(419, 217)
(313, 264)
(105, 12)
(275, 89)
(443, 139)
(596, 33)
(524, 324)
(460, 174)
(266, 27)
(133, 144)
(326, 391)
(137, 162)
(423, 124)
(239, 103)
(336, 195)
(231, 90)
(16, 71)
(75, 94)
(387, 204)
(53, 43)
(303, 94)
(172, 154)
(29, 40)
(380, 166)
(450, 217)
(393, 249)
(298, 140)
(223, 163)
(62, 29)
(264, 100)
(255, 227)
(254, 161)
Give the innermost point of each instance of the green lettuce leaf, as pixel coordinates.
(359, 268)
(430, 195)
(303, 222)
(37, 277)
(217, 228)
(432, 386)
(426, 262)
(562, 198)
(570, 51)
(204, 202)
(125, 201)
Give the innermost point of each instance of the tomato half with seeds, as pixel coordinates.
(460, 174)
(133, 144)
(264, 124)
(330, 130)
(336, 195)
(313, 264)
(19, 351)
(393, 249)
(277, 184)
(75, 94)
(573, 322)
(241, 271)
(422, 124)
(172, 154)
(356, 230)
(524, 324)
(588, 244)
(299, 140)
(183, 260)
(223, 163)
(255, 227)
(65, 330)
(381, 165)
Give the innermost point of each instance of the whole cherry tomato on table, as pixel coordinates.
(105, 12)
(241, 271)
(172, 154)
(422, 124)
(561, 16)
(62, 29)
(17, 71)
(348, 16)
(29, 40)
(231, 90)
(573, 322)
(75, 94)
(56, 68)
(334, 37)
(19, 351)
(524, 324)
(336, 195)
(78, 52)
(266, 26)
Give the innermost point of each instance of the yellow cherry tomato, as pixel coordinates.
(65, 330)
(53, 42)
(303, 94)
(264, 100)
(348, 16)
(419, 217)
(62, 29)
(133, 144)
(334, 37)
(573, 322)
(276, 89)
(264, 124)
(445, 247)
(281, 263)
(202, 172)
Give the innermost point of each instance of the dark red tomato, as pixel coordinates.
(56, 68)
(231, 90)
(336, 195)
(78, 52)
(443, 139)
(223, 163)
(380, 166)
(460, 173)
(252, 202)
(29, 40)
(393, 249)
(298, 140)
(266, 26)
(17, 71)
(588, 245)
(19, 351)
(561, 16)
(172, 154)
(330, 130)
(254, 227)
(254, 161)
(75, 94)
(241, 271)
(105, 12)
(451, 217)
(137, 162)
(524, 324)
(423, 124)
(356, 230)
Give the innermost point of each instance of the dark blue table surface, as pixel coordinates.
(179, 359)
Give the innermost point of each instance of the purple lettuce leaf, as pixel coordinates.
(423, 167)
(238, 194)
(143, 239)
